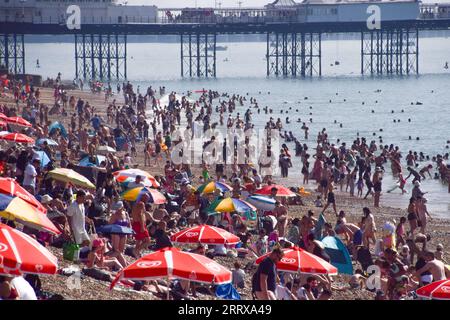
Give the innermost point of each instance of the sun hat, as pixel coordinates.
(117, 206)
(46, 199)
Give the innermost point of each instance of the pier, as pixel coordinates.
(293, 42)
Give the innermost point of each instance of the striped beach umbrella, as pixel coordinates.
(19, 121)
(16, 209)
(262, 202)
(297, 260)
(135, 194)
(19, 253)
(205, 234)
(211, 187)
(127, 175)
(16, 137)
(231, 205)
(10, 187)
(173, 263)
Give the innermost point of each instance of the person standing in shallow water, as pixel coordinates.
(377, 186)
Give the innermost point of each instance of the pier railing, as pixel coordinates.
(212, 16)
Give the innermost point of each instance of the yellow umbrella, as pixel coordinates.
(14, 208)
(68, 175)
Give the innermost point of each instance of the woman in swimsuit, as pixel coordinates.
(119, 217)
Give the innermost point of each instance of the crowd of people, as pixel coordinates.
(140, 128)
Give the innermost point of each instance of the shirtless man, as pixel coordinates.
(138, 219)
(282, 214)
(436, 267)
(369, 228)
(427, 170)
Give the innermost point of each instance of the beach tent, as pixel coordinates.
(227, 292)
(339, 255)
(56, 125)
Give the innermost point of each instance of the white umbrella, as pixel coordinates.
(105, 149)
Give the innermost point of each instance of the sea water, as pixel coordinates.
(244, 72)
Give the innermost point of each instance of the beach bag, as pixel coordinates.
(71, 251)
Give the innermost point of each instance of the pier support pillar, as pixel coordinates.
(12, 53)
(101, 57)
(198, 55)
(294, 54)
(390, 51)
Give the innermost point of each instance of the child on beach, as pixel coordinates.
(360, 186)
(318, 202)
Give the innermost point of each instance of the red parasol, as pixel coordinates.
(438, 290)
(174, 263)
(21, 253)
(17, 137)
(281, 191)
(19, 121)
(205, 234)
(10, 187)
(298, 260)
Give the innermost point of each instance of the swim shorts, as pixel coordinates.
(138, 233)
(357, 238)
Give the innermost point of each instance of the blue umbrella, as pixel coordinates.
(56, 125)
(50, 142)
(86, 161)
(44, 158)
(114, 229)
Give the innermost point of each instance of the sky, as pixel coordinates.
(211, 3)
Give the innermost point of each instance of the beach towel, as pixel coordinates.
(228, 292)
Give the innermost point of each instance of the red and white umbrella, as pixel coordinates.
(438, 290)
(281, 191)
(174, 263)
(205, 234)
(10, 187)
(17, 137)
(21, 253)
(297, 260)
(19, 121)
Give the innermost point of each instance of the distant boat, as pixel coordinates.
(218, 48)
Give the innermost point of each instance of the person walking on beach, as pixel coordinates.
(369, 228)
(331, 199)
(138, 218)
(412, 172)
(264, 281)
(377, 186)
(422, 213)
